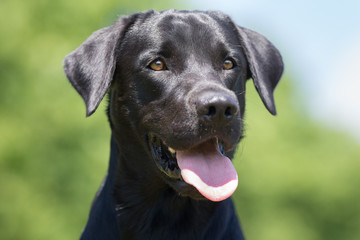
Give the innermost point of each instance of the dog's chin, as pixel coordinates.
(166, 161)
(184, 189)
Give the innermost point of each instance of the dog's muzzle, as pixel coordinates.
(203, 166)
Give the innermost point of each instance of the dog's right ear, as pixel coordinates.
(90, 68)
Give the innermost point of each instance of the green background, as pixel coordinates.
(297, 178)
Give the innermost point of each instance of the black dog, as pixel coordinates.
(176, 83)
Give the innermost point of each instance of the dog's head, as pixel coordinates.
(179, 79)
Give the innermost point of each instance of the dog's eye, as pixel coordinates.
(157, 65)
(228, 64)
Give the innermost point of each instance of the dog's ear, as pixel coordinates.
(265, 65)
(90, 68)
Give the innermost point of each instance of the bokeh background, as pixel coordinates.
(299, 172)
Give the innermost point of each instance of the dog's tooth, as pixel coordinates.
(171, 150)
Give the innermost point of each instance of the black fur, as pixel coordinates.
(193, 99)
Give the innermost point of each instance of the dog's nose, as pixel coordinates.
(217, 108)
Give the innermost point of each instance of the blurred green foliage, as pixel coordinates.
(297, 179)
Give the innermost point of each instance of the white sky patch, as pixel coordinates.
(339, 103)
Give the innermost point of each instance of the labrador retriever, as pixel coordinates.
(176, 87)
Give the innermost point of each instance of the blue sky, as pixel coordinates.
(320, 43)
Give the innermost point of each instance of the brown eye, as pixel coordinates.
(228, 64)
(157, 65)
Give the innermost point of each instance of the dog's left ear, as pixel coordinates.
(90, 68)
(265, 64)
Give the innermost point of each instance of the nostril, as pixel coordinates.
(229, 112)
(212, 111)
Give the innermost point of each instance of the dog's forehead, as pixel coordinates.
(183, 20)
(183, 29)
(189, 26)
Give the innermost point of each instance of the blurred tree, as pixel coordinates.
(297, 179)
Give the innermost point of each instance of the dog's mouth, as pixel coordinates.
(203, 166)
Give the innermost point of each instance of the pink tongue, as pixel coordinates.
(210, 172)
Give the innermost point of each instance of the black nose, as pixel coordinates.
(217, 108)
